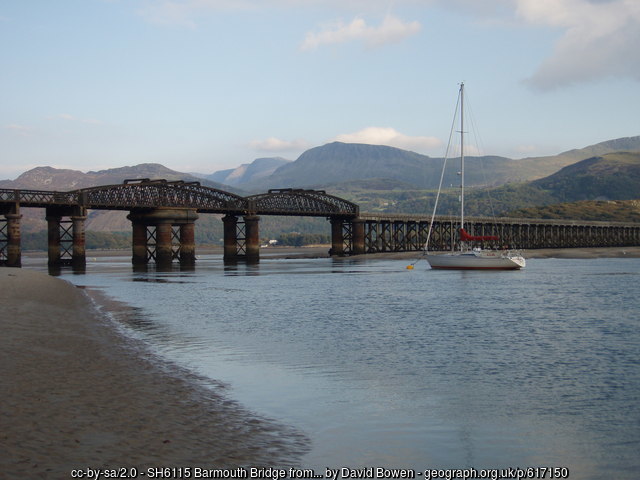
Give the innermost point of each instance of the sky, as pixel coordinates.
(206, 85)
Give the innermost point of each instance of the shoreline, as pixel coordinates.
(565, 253)
(322, 251)
(78, 394)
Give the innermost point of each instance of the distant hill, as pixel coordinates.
(337, 163)
(48, 178)
(613, 176)
(533, 168)
(589, 210)
(610, 177)
(248, 173)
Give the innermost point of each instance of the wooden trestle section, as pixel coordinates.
(163, 216)
(403, 233)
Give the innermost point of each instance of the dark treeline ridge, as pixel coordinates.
(94, 240)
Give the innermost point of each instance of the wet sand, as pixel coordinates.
(77, 394)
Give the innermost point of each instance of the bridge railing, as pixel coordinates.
(38, 197)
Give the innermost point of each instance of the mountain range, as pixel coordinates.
(333, 163)
(248, 173)
(387, 179)
(337, 164)
(48, 178)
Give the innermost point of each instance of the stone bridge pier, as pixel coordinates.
(66, 236)
(163, 235)
(347, 236)
(10, 252)
(241, 238)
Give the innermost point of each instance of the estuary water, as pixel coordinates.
(388, 367)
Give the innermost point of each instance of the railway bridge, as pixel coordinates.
(163, 216)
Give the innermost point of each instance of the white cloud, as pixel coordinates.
(273, 144)
(390, 30)
(600, 40)
(185, 13)
(20, 130)
(391, 137)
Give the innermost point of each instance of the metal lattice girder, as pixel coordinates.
(347, 238)
(241, 237)
(4, 240)
(151, 243)
(290, 201)
(66, 240)
(176, 246)
(146, 193)
(371, 236)
(385, 237)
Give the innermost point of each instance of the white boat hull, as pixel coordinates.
(476, 261)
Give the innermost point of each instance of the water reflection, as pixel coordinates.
(55, 270)
(381, 366)
(241, 269)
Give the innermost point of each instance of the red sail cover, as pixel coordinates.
(465, 237)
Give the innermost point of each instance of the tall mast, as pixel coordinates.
(462, 155)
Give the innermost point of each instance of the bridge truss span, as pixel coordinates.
(313, 203)
(146, 193)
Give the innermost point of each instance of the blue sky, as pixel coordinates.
(203, 85)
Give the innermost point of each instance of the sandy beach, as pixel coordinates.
(75, 394)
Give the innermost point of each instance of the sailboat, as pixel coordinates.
(469, 257)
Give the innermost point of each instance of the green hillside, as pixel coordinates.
(533, 168)
(603, 211)
(611, 176)
(614, 176)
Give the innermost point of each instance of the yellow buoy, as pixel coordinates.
(409, 267)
